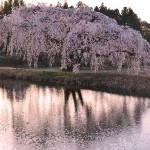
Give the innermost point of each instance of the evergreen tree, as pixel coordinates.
(115, 14)
(65, 6)
(131, 19)
(103, 9)
(7, 7)
(16, 3)
(124, 17)
(96, 9)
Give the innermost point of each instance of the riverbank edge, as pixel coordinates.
(123, 83)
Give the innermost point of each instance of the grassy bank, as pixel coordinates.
(107, 81)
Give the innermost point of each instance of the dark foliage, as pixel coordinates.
(9, 5)
(127, 17)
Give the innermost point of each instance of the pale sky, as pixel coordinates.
(140, 7)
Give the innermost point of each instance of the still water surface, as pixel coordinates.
(36, 117)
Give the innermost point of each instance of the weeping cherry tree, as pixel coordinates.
(75, 36)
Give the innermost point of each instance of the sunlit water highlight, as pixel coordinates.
(36, 117)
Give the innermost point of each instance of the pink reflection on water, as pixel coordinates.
(35, 115)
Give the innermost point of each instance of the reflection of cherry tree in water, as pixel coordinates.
(73, 92)
(15, 90)
(81, 114)
(113, 121)
(44, 133)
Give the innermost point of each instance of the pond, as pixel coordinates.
(34, 117)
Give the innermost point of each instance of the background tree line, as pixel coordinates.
(8, 5)
(127, 16)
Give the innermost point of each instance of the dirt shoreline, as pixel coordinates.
(105, 81)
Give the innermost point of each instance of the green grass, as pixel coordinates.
(43, 72)
(82, 74)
